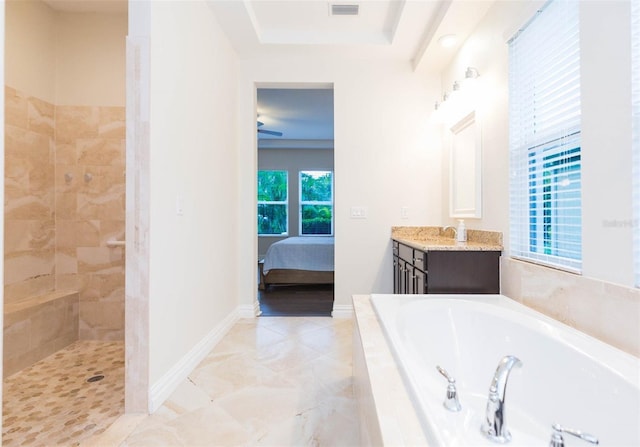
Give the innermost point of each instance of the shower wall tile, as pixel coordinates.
(32, 333)
(41, 116)
(23, 266)
(29, 196)
(24, 235)
(112, 230)
(76, 233)
(102, 320)
(90, 210)
(64, 199)
(112, 123)
(33, 287)
(103, 260)
(100, 152)
(66, 205)
(15, 108)
(106, 288)
(66, 261)
(74, 122)
(66, 154)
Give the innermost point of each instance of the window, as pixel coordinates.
(316, 203)
(635, 113)
(272, 203)
(544, 138)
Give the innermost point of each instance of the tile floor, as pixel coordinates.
(271, 381)
(51, 403)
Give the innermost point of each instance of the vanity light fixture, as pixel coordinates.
(471, 73)
(455, 90)
(462, 94)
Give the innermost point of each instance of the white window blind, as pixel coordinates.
(635, 112)
(544, 138)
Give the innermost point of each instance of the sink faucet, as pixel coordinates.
(494, 426)
(449, 227)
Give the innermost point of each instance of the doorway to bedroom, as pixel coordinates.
(295, 200)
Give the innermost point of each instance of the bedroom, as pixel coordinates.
(295, 200)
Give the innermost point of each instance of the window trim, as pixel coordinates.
(635, 117)
(534, 123)
(276, 202)
(301, 203)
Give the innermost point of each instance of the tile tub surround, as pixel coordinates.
(36, 327)
(436, 238)
(272, 381)
(65, 198)
(387, 415)
(609, 312)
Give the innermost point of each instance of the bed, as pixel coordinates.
(298, 260)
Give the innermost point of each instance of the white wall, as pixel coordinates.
(601, 301)
(30, 50)
(386, 156)
(65, 58)
(90, 59)
(193, 99)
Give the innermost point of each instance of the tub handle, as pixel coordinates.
(558, 441)
(451, 401)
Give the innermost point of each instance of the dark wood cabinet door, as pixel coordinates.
(444, 271)
(464, 272)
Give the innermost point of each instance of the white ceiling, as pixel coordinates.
(405, 30)
(393, 29)
(300, 114)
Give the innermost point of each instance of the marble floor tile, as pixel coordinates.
(271, 381)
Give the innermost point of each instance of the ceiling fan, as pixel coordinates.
(268, 132)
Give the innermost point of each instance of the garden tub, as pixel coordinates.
(566, 377)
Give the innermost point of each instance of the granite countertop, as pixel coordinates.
(437, 238)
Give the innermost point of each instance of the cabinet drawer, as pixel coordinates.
(420, 260)
(405, 252)
(417, 258)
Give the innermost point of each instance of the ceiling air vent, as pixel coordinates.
(343, 9)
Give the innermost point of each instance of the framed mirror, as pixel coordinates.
(465, 169)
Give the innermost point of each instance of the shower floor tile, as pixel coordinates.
(53, 402)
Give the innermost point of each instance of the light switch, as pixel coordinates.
(404, 212)
(179, 205)
(358, 212)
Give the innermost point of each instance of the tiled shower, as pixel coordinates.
(64, 258)
(64, 209)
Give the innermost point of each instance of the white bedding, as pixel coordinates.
(301, 253)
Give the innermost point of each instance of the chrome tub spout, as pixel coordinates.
(495, 427)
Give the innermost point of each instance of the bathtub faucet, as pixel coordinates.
(494, 426)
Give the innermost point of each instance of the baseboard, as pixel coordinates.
(342, 311)
(162, 389)
(249, 310)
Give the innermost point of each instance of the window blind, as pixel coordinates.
(635, 112)
(544, 138)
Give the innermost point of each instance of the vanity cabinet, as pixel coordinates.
(444, 271)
